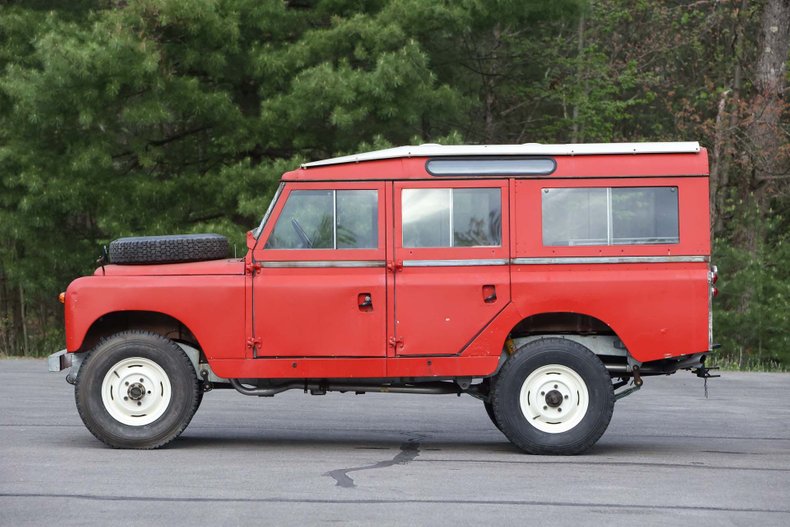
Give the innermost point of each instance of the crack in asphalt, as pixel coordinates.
(409, 451)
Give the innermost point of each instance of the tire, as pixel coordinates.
(136, 390)
(543, 379)
(490, 411)
(168, 249)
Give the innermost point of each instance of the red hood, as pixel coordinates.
(214, 267)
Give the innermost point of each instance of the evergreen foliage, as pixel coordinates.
(175, 116)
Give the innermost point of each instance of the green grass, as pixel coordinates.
(728, 363)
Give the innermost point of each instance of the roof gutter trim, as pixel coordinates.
(528, 149)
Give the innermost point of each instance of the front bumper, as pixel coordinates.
(62, 359)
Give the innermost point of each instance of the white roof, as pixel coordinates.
(527, 149)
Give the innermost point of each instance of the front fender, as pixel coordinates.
(212, 307)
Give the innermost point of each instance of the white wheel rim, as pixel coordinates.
(136, 391)
(554, 398)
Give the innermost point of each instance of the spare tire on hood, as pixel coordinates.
(168, 249)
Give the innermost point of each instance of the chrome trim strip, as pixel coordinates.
(489, 261)
(325, 263)
(334, 219)
(608, 260)
(454, 263)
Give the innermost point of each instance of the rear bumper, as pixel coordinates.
(663, 366)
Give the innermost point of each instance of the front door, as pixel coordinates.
(451, 263)
(321, 289)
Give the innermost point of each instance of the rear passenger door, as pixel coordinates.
(451, 256)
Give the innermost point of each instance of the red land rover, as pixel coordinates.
(544, 280)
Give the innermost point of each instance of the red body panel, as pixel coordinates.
(657, 310)
(440, 310)
(212, 306)
(427, 318)
(307, 312)
(213, 267)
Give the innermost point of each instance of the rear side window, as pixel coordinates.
(327, 219)
(458, 217)
(610, 216)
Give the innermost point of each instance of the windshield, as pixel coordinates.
(257, 232)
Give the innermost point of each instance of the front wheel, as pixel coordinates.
(136, 390)
(553, 396)
(491, 415)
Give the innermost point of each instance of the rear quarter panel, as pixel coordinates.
(657, 310)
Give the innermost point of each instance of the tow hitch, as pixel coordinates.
(703, 372)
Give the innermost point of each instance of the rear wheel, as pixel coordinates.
(137, 390)
(554, 396)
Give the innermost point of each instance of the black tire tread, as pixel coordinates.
(491, 415)
(178, 353)
(168, 249)
(531, 350)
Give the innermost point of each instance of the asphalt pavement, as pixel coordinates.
(670, 457)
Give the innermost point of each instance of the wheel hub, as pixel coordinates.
(136, 391)
(554, 398)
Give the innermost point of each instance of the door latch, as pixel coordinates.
(489, 294)
(365, 302)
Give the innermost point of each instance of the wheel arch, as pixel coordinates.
(561, 322)
(587, 330)
(152, 321)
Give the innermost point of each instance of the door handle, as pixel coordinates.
(365, 302)
(489, 294)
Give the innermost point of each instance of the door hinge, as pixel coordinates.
(254, 343)
(395, 342)
(394, 267)
(253, 267)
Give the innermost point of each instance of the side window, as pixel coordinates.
(327, 219)
(444, 217)
(610, 216)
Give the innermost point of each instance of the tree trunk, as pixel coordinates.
(5, 347)
(765, 137)
(765, 132)
(727, 118)
(490, 73)
(575, 132)
(23, 318)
